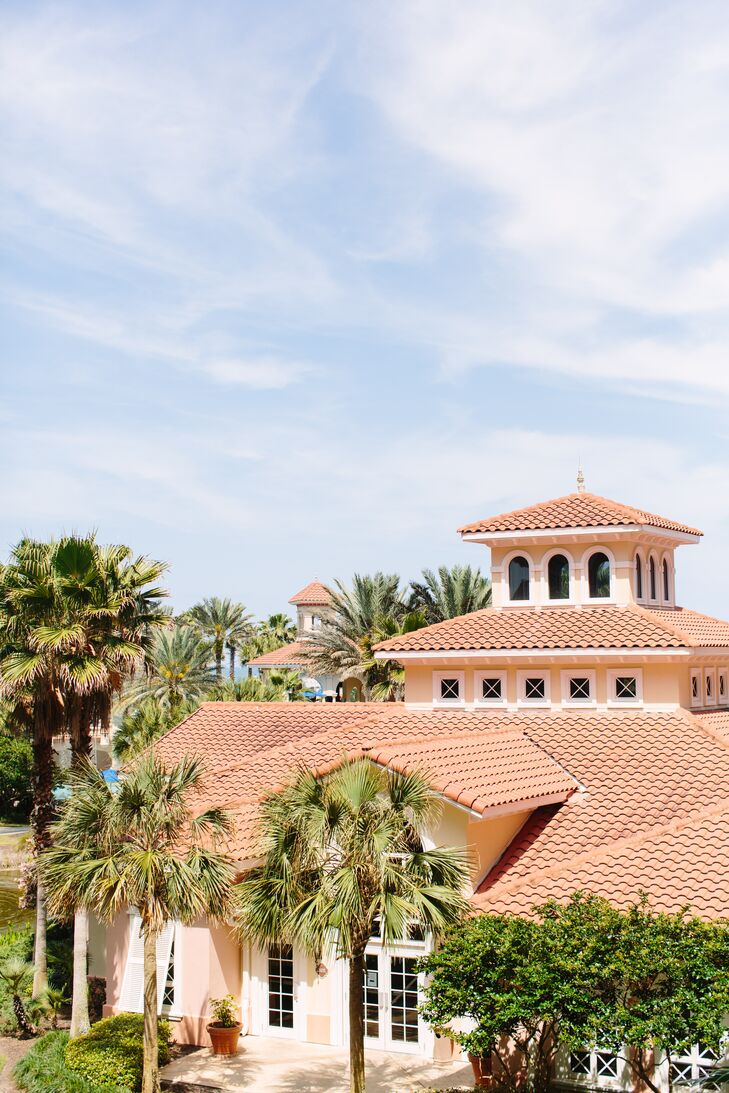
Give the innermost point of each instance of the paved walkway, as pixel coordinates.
(286, 1066)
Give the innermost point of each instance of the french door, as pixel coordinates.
(281, 997)
(390, 999)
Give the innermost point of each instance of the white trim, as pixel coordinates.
(491, 703)
(522, 700)
(583, 703)
(537, 653)
(698, 697)
(622, 531)
(722, 699)
(668, 560)
(653, 600)
(449, 703)
(639, 556)
(611, 676)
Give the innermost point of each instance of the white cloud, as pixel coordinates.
(263, 374)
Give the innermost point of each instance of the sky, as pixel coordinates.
(291, 290)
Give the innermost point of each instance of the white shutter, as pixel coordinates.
(132, 992)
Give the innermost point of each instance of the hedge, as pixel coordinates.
(44, 1069)
(112, 1053)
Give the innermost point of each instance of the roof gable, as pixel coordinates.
(314, 594)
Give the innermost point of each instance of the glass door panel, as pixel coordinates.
(281, 987)
(404, 1000)
(371, 996)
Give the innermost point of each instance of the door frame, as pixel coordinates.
(259, 997)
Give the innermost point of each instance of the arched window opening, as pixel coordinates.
(518, 579)
(666, 582)
(598, 573)
(638, 577)
(652, 578)
(558, 572)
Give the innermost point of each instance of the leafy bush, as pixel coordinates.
(111, 1054)
(44, 1070)
(16, 759)
(14, 945)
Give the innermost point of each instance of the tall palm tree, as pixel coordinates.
(339, 853)
(142, 847)
(450, 593)
(271, 633)
(362, 615)
(176, 670)
(222, 623)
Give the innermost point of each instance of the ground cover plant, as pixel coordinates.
(580, 975)
(44, 1070)
(14, 945)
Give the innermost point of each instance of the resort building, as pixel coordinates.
(577, 732)
(313, 607)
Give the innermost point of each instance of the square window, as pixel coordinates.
(626, 687)
(580, 1062)
(450, 688)
(491, 687)
(606, 1064)
(534, 687)
(579, 687)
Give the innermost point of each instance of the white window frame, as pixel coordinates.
(697, 1062)
(668, 560)
(576, 673)
(709, 678)
(722, 699)
(572, 579)
(612, 676)
(656, 562)
(478, 678)
(585, 565)
(593, 1080)
(531, 600)
(698, 698)
(638, 556)
(449, 703)
(538, 703)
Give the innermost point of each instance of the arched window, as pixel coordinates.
(652, 578)
(638, 577)
(558, 572)
(598, 574)
(518, 579)
(666, 582)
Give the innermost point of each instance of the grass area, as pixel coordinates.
(44, 1070)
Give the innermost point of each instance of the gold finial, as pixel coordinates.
(580, 481)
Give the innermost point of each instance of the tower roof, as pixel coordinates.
(315, 594)
(575, 510)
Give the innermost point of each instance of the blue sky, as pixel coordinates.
(293, 289)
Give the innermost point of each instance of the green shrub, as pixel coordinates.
(16, 759)
(111, 1054)
(14, 945)
(44, 1070)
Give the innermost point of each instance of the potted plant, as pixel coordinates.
(225, 1028)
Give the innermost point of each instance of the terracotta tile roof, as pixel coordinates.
(716, 722)
(645, 776)
(286, 656)
(699, 630)
(574, 510)
(315, 594)
(628, 627)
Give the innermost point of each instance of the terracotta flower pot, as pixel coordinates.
(225, 1039)
(482, 1075)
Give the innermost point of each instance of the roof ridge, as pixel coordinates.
(604, 850)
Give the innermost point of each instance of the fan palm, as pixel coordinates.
(141, 725)
(339, 853)
(142, 846)
(177, 669)
(223, 624)
(270, 634)
(450, 592)
(361, 615)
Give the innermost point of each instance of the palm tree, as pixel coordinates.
(222, 623)
(362, 615)
(450, 593)
(339, 853)
(141, 725)
(271, 633)
(177, 670)
(142, 847)
(274, 687)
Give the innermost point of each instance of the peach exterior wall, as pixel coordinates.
(663, 684)
(623, 554)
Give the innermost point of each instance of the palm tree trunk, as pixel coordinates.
(231, 651)
(80, 1022)
(356, 1025)
(42, 784)
(150, 1076)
